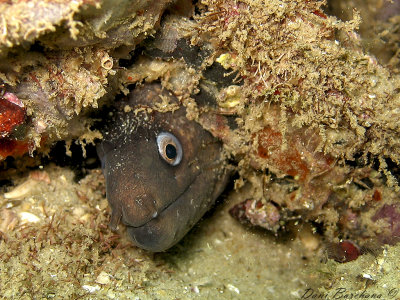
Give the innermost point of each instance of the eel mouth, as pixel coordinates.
(167, 226)
(159, 213)
(161, 232)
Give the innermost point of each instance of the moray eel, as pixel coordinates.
(163, 171)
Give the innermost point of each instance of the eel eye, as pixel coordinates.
(169, 148)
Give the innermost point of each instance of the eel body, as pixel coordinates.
(163, 171)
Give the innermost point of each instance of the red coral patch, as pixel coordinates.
(288, 160)
(12, 148)
(12, 113)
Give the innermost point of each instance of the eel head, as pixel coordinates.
(163, 171)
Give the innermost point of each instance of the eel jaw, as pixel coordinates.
(174, 221)
(169, 225)
(166, 228)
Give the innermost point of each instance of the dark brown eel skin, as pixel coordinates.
(163, 171)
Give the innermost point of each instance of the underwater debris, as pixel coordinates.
(343, 252)
(256, 213)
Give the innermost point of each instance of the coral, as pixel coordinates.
(12, 113)
(59, 24)
(60, 58)
(289, 57)
(311, 101)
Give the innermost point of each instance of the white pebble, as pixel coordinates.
(27, 217)
(233, 288)
(103, 278)
(91, 289)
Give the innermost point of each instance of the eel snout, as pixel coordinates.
(163, 171)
